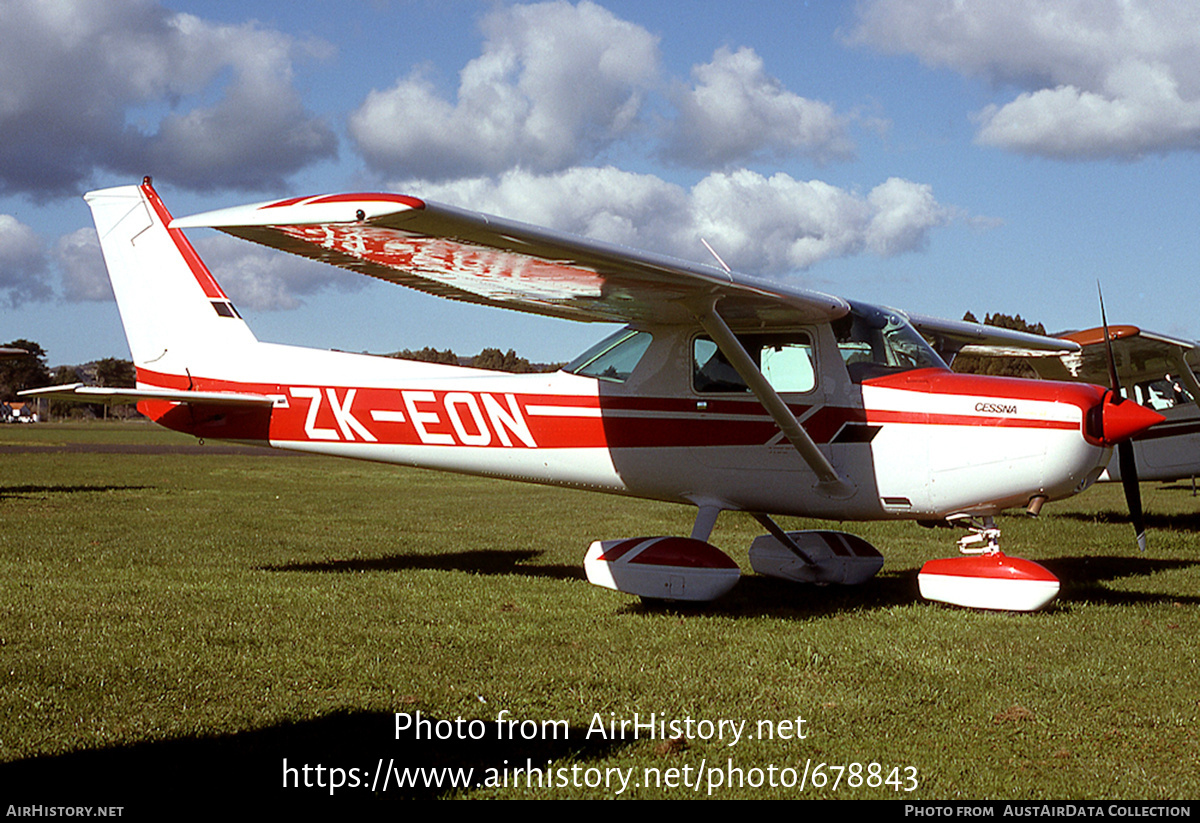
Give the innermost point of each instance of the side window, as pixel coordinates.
(786, 359)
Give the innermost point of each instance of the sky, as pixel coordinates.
(940, 156)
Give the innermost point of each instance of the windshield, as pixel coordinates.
(875, 342)
(613, 358)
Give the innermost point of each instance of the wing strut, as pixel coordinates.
(829, 482)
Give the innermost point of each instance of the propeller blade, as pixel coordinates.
(1125, 458)
(1133, 492)
(1113, 382)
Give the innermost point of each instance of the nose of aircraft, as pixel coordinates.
(1122, 419)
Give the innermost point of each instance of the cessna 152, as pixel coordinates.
(724, 392)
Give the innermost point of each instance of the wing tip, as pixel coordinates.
(355, 207)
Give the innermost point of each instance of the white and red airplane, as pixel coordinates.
(724, 392)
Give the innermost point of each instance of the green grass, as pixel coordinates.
(213, 613)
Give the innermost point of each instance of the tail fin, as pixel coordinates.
(175, 314)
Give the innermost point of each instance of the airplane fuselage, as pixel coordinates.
(921, 443)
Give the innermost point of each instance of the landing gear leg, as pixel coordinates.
(706, 519)
(984, 537)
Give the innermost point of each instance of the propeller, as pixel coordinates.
(1125, 458)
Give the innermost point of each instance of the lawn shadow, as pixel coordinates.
(19, 491)
(277, 767)
(753, 596)
(1178, 487)
(1188, 522)
(761, 596)
(1081, 578)
(477, 561)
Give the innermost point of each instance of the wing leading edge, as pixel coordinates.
(953, 337)
(465, 255)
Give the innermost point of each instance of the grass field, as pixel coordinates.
(177, 620)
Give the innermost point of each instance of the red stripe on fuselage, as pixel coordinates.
(420, 416)
(939, 381)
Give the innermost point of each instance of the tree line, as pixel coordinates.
(29, 371)
(491, 359)
(999, 366)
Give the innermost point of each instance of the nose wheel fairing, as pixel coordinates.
(988, 581)
(986, 578)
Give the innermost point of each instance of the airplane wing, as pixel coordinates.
(1140, 356)
(953, 337)
(80, 393)
(464, 255)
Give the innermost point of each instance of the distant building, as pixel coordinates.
(17, 412)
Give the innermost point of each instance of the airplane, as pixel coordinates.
(1155, 369)
(724, 392)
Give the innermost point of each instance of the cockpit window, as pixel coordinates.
(785, 358)
(614, 358)
(1166, 393)
(875, 342)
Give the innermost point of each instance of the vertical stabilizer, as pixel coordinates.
(175, 314)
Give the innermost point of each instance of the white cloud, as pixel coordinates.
(759, 225)
(1139, 110)
(262, 279)
(81, 266)
(638, 210)
(555, 84)
(736, 111)
(128, 86)
(1100, 79)
(902, 212)
(22, 262)
(779, 224)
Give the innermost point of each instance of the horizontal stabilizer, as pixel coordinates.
(80, 393)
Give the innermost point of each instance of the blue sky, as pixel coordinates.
(935, 156)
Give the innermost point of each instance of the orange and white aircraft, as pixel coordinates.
(1158, 371)
(724, 392)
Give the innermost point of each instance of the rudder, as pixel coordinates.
(173, 311)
